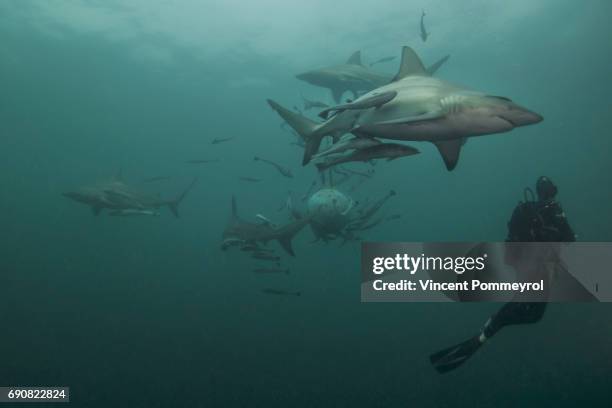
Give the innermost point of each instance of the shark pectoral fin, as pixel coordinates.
(450, 149)
(355, 58)
(96, 210)
(285, 242)
(410, 65)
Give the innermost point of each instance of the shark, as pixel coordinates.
(353, 76)
(414, 106)
(243, 233)
(120, 198)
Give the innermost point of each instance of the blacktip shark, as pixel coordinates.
(243, 233)
(123, 200)
(352, 76)
(423, 108)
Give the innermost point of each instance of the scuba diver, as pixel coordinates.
(532, 221)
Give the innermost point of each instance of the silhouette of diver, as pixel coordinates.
(532, 221)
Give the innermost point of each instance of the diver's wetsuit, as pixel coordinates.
(532, 221)
(539, 221)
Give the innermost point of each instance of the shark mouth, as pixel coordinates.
(507, 120)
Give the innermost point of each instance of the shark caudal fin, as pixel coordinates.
(305, 127)
(436, 65)
(173, 205)
(410, 65)
(286, 233)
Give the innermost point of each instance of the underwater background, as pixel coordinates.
(148, 312)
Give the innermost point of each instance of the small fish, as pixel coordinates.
(269, 291)
(393, 217)
(133, 212)
(231, 242)
(221, 140)
(282, 170)
(153, 179)
(201, 161)
(271, 270)
(382, 60)
(250, 179)
(374, 101)
(265, 256)
(424, 33)
(355, 143)
(265, 220)
(390, 151)
(359, 224)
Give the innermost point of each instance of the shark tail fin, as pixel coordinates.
(410, 65)
(174, 204)
(305, 127)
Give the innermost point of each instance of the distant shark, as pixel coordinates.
(243, 233)
(424, 33)
(353, 76)
(414, 106)
(117, 196)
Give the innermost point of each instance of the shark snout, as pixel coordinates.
(520, 116)
(305, 76)
(516, 115)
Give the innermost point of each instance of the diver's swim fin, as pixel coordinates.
(452, 357)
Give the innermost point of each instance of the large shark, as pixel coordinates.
(414, 106)
(243, 233)
(118, 196)
(352, 76)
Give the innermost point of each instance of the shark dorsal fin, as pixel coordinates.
(411, 65)
(355, 58)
